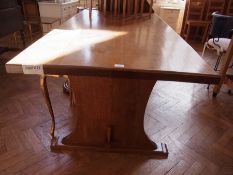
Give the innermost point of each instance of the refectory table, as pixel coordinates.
(112, 66)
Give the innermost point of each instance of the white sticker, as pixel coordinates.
(33, 69)
(119, 65)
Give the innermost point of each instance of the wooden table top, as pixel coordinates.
(104, 45)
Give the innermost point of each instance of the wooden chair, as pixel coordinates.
(203, 19)
(31, 14)
(194, 16)
(225, 79)
(127, 8)
(214, 6)
(220, 33)
(32, 17)
(11, 22)
(85, 4)
(229, 10)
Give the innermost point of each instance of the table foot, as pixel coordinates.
(161, 150)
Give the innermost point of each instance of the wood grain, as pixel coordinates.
(110, 103)
(60, 53)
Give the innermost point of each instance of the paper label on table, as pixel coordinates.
(119, 65)
(33, 69)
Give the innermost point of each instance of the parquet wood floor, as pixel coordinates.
(197, 129)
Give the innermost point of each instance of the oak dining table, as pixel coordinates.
(112, 66)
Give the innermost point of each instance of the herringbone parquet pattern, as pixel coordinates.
(197, 129)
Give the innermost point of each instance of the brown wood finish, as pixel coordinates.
(31, 15)
(194, 18)
(168, 57)
(128, 8)
(196, 9)
(198, 15)
(110, 112)
(111, 100)
(223, 71)
(229, 8)
(214, 6)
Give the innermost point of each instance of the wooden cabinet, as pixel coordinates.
(63, 11)
(171, 13)
(171, 17)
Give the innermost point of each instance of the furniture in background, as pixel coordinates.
(49, 23)
(171, 13)
(34, 19)
(220, 35)
(172, 17)
(129, 8)
(112, 73)
(84, 4)
(194, 16)
(225, 78)
(198, 17)
(11, 21)
(214, 6)
(229, 8)
(61, 10)
(32, 16)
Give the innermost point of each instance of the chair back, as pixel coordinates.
(11, 18)
(222, 26)
(195, 9)
(127, 8)
(31, 10)
(229, 10)
(214, 6)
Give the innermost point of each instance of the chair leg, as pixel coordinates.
(205, 34)
(203, 52)
(22, 38)
(197, 31)
(218, 61)
(41, 28)
(188, 31)
(184, 31)
(15, 38)
(30, 30)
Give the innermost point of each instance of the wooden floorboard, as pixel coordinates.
(197, 129)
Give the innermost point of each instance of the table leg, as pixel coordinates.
(44, 88)
(109, 113)
(224, 68)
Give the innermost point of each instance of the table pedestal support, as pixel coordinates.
(109, 113)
